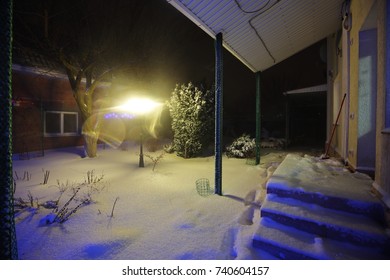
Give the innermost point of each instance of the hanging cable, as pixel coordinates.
(251, 12)
(346, 16)
(262, 41)
(259, 12)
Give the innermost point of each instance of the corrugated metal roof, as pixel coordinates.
(262, 33)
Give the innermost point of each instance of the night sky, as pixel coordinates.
(159, 47)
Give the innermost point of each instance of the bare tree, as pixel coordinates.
(90, 39)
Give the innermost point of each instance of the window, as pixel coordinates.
(61, 123)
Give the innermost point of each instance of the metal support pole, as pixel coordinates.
(8, 244)
(141, 144)
(258, 117)
(42, 128)
(287, 128)
(218, 113)
(141, 152)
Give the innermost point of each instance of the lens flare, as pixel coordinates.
(111, 131)
(115, 125)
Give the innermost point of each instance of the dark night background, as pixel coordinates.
(159, 48)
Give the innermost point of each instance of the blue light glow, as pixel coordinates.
(114, 115)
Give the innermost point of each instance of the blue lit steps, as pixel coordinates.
(315, 209)
(310, 180)
(370, 207)
(324, 222)
(288, 243)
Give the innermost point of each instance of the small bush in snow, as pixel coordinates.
(63, 213)
(168, 148)
(79, 195)
(156, 159)
(242, 147)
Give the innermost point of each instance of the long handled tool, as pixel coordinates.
(325, 156)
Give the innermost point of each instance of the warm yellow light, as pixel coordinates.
(139, 106)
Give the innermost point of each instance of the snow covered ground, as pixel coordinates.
(136, 213)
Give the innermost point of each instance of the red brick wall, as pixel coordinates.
(33, 94)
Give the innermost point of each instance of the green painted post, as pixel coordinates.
(287, 132)
(8, 246)
(218, 113)
(258, 117)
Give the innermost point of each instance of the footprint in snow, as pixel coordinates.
(250, 197)
(228, 244)
(246, 218)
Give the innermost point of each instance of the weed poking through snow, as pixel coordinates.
(80, 194)
(155, 160)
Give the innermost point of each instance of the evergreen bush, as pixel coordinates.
(192, 113)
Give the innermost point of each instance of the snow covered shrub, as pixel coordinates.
(242, 147)
(192, 114)
(168, 148)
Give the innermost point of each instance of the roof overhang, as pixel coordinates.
(313, 89)
(262, 33)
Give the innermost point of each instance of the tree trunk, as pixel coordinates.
(91, 131)
(90, 144)
(83, 98)
(91, 134)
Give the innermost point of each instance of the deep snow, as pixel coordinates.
(158, 214)
(133, 213)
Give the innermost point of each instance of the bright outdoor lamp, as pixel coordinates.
(140, 106)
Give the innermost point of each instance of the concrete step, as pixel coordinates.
(286, 242)
(310, 180)
(317, 209)
(324, 222)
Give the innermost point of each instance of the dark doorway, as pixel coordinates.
(306, 119)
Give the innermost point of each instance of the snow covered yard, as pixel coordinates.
(138, 213)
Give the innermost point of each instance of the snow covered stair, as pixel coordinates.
(338, 225)
(316, 209)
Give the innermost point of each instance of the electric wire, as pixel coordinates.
(251, 12)
(259, 12)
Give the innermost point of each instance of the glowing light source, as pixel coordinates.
(139, 106)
